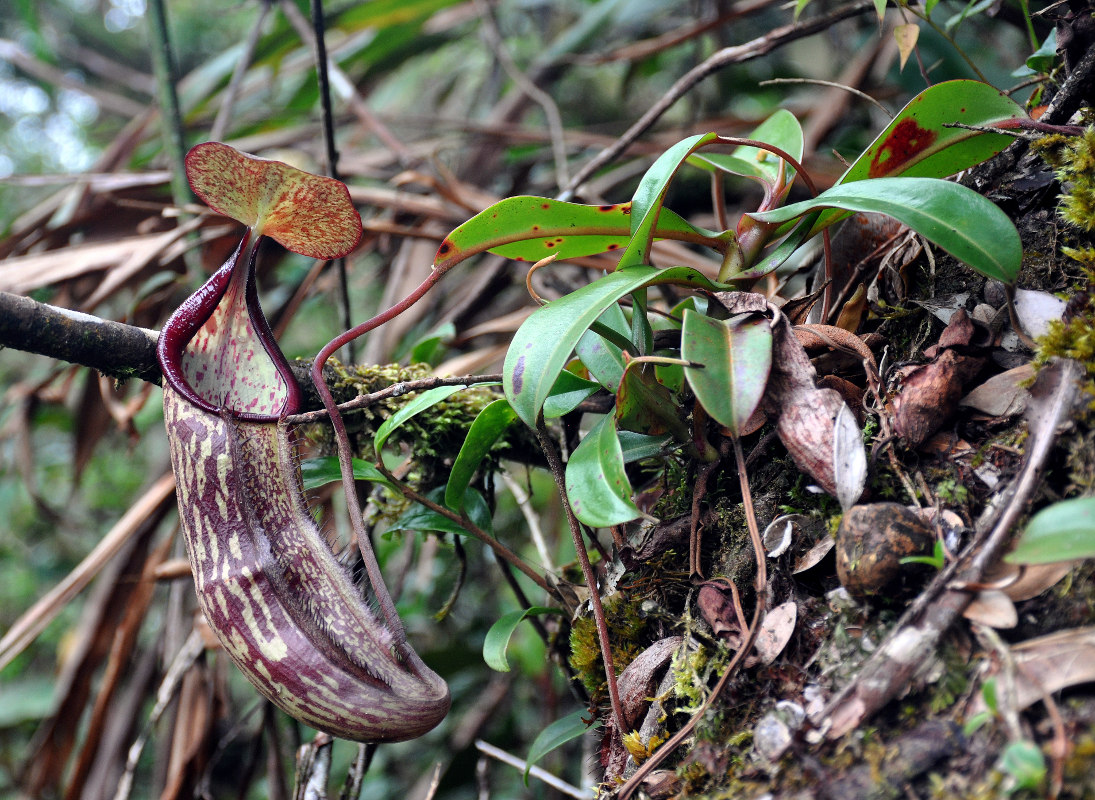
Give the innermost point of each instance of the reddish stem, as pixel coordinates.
(345, 458)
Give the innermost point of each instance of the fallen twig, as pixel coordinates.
(918, 632)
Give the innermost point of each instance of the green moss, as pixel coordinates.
(1073, 161)
(626, 626)
(433, 435)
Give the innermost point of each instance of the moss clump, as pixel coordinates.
(626, 626)
(435, 434)
(1073, 162)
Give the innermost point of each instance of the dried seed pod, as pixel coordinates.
(870, 543)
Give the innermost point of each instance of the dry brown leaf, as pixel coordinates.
(24, 274)
(849, 458)
(851, 314)
(1029, 580)
(35, 619)
(636, 682)
(1048, 664)
(906, 36)
(1002, 395)
(1036, 310)
(813, 556)
(992, 608)
(721, 608)
(774, 634)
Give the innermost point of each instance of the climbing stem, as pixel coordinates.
(628, 789)
(555, 464)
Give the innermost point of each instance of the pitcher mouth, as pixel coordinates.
(207, 348)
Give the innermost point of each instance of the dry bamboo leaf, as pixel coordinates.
(849, 458)
(1036, 310)
(24, 274)
(1029, 580)
(778, 535)
(38, 616)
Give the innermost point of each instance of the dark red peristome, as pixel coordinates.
(181, 328)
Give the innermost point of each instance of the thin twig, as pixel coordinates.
(666, 749)
(231, 92)
(536, 772)
(319, 47)
(521, 497)
(163, 65)
(344, 87)
(355, 778)
(395, 390)
(556, 466)
(551, 111)
(180, 665)
(499, 549)
(890, 668)
(833, 84)
(725, 57)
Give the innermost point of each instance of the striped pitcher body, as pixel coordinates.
(286, 611)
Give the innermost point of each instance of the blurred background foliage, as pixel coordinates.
(82, 163)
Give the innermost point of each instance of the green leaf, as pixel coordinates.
(781, 129)
(306, 213)
(1064, 531)
(497, 639)
(566, 393)
(976, 722)
(430, 349)
(543, 344)
(643, 405)
(776, 257)
(416, 405)
(1042, 59)
(530, 228)
(605, 359)
(317, 472)
(880, 9)
(556, 735)
(485, 429)
(916, 145)
(420, 518)
(1025, 763)
(636, 446)
(968, 226)
(988, 692)
(736, 356)
(646, 204)
(597, 485)
(973, 8)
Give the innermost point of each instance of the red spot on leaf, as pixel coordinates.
(605, 208)
(613, 247)
(445, 248)
(518, 375)
(545, 206)
(904, 143)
